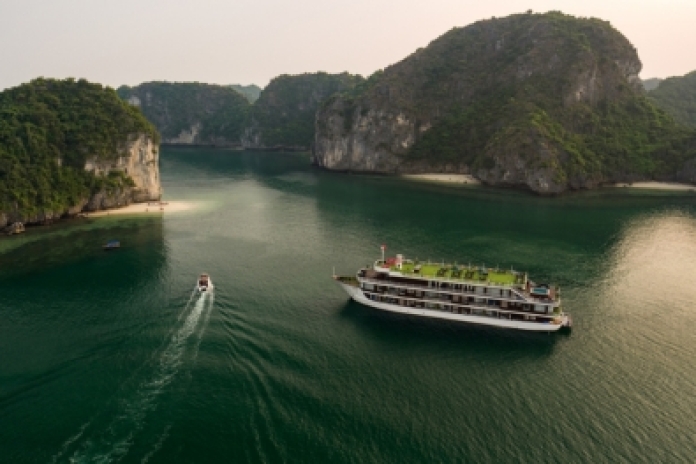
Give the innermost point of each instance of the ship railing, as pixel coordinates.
(513, 297)
(463, 281)
(516, 294)
(470, 306)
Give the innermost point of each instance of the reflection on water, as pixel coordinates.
(428, 334)
(41, 248)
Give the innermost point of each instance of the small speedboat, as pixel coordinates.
(204, 283)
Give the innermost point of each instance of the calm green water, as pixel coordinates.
(107, 357)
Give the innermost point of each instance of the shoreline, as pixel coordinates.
(464, 179)
(153, 207)
(655, 185)
(468, 179)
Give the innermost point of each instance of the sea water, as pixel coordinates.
(109, 357)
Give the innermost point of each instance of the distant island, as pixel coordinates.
(282, 117)
(677, 96)
(68, 146)
(652, 83)
(251, 92)
(191, 112)
(546, 102)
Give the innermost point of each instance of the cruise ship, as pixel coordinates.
(462, 293)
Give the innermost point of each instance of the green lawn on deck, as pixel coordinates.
(467, 274)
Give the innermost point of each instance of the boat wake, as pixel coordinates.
(112, 443)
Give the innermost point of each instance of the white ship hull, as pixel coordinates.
(356, 294)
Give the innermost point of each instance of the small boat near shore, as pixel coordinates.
(16, 228)
(204, 283)
(111, 245)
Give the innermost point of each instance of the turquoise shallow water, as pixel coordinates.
(107, 357)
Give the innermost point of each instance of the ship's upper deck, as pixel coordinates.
(450, 272)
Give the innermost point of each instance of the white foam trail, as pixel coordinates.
(204, 324)
(115, 442)
(193, 294)
(69, 442)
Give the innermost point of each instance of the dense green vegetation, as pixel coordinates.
(286, 109)
(174, 108)
(548, 89)
(283, 114)
(48, 128)
(677, 96)
(251, 92)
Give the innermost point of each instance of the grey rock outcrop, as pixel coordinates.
(139, 160)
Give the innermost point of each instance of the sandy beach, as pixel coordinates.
(471, 180)
(658, 186)
(447, 178)
(147, 208)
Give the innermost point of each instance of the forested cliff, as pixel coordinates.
(281, 117)
(284, 114)
(68, 146)
(677, 96)
(191, 112)
(548, 102)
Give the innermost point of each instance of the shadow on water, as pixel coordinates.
(226, 163)
(400, 331)
(55, 246)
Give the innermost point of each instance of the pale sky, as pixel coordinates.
(251, 41)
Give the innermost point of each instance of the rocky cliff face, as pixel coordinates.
(543, 101)
(191, 113)
(139, 160)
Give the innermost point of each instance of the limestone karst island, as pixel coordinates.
(542, 102)
(345, 232)
(72, 146)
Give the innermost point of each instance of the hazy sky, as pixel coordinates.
(251, 41)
